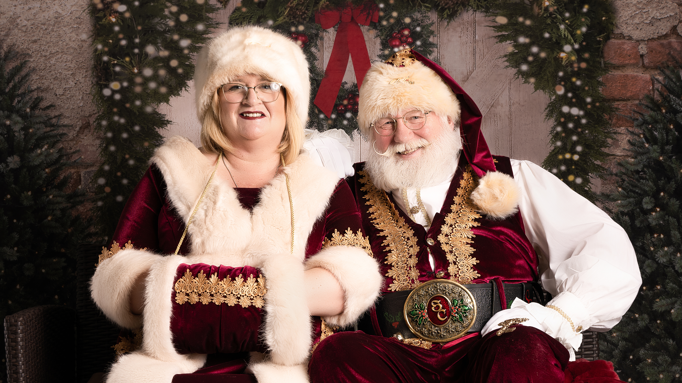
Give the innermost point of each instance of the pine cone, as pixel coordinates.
(297, 11)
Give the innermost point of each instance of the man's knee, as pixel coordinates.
(527, 345)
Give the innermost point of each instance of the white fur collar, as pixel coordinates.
(222, 225)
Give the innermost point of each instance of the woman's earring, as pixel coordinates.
(377, 152)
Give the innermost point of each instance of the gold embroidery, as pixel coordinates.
(128, 344)
(400, 242)
(115, 248)
(349, 239)
(214, 290)
(506, 325)
(456, 235)
(326, 332)
(416, 342)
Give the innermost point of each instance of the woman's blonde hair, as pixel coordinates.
(214, 140)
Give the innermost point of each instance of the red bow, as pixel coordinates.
(349, 42)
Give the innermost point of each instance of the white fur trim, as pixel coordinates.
(158, 339)
(269, 372)
(359, 276)
(140, 368)
(111, 284)
(224, 233)
(496, 195)
(267, 229)
(287, 330)
(387, 89)
(255, 50)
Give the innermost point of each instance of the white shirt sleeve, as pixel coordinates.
(586, 260)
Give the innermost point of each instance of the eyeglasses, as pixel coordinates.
(413, 120)
(266, 91)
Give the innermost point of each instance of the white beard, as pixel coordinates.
(435, 165)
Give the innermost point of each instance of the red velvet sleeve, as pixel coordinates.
(148, 221)
(342, 214)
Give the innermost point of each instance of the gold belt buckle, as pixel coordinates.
(440, 310)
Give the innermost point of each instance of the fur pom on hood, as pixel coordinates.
(496, 195)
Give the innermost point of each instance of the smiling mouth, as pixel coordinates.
(409, 151)
(252, 114)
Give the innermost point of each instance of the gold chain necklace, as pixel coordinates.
(228, 170)
(411, 211)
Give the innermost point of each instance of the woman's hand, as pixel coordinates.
(137, 294)
(323, 292)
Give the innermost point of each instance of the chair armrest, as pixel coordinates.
(40, 345)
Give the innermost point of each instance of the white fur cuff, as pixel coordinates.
(359, 276)
(268, 372)
(287, 330)
(158, 339)
(110, 286)
(140, 368)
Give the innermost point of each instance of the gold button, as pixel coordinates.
(429, 241)
(440, 274)
(414, 210)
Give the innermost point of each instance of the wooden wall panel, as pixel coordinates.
(497, 125)
(456, 47)
(530, 131)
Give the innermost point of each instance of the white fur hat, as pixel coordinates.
(387, 88)
(253, 50)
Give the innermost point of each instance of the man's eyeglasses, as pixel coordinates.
(266, 91)
(413, 120)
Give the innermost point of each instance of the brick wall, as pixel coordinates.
(639, 46)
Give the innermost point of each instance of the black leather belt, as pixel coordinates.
(440, 310)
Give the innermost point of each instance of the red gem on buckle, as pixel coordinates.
(438, 310)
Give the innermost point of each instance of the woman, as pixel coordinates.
(262, 237)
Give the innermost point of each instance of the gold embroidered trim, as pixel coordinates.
(115, 248)
(456, 235)
(506, 325)
(400, 242)
(128, 344)
(326, 332)
(416, 342)
(218, 291)
(349, 239)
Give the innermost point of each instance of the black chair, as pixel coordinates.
(57, 343)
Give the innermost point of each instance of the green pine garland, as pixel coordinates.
(143, 57)
(647, 344)
(557, 47)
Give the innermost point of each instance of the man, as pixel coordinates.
(442, 212)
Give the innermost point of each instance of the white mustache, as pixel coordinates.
(406, 147)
